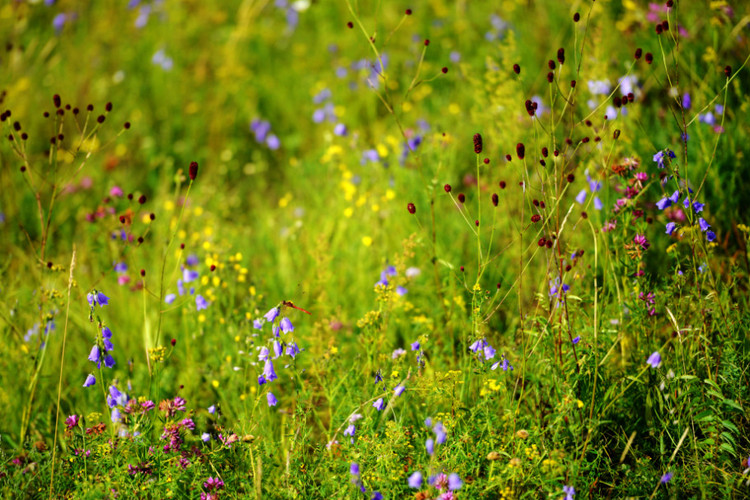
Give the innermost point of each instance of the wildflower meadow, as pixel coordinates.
(367, 249)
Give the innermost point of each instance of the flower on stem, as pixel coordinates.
(454, 482)
(272, 401)
(666, 478)
(200, 303)
(97, 298)
(90, 380)
(379, 404)
(272, 314)
(415, 480)
(569, 491)
(268, 371)
(286, 325)
(671, 226)
(654, 360)
(71, 421)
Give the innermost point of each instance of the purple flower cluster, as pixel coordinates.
(102, 346)
(262, 131)
(679, 216)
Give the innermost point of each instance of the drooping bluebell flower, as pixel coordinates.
(415, 346)
(376, 495)
(370, 155)
(664, 203)
(477, 345)
(350, 430)
(97, 298)
(95, 354)
(698, 207)
(272, 314)
(170, 298)
(192, 260)
(340, 130)
(415, 480)
(654, 360)
(212, 409)
(260, 128)
(398, 390)
(200, 303)
(107, 336)
(454, 482)
(703, 224)
(397, 353)
(261, 380)
(115, 415)
(379, 404)
(378, 377)
(273, 142)
(686, 101)
(666, 478)
(401, 291)
(268, 371)
(257, 324)
(576, 339)
(569, 491)
(205, 437)
(286, 325)
(659, 157)
(354, 469)
(489, 352)
(180, 288)
(109, 361)
(292, 350)
(278, 349)
(189, 275)
(263, 354)
(272, 401)
(675, 196)
(275, 330)
(440, 434)
(671, 226)
(710, 236)
(90, 380)
(430, 446)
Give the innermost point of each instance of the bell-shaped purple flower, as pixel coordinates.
(272, 401)
(379, 404)
(272, 314)
(268, 371)
(415, 480)
(90, 380)
(286, 325)
(95, 354)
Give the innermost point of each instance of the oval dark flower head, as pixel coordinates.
(193, 170)
(447, 188)
(638, 53)
(477, 143)
(411, 208)
(576, 17)
(56, 100)
(561, 55)
(520, 150)
(727, 71)
(517, 69)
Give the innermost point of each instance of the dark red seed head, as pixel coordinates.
(638, 53)
(649, 57)
(551, 64)
(173, 342)
(126, 125)
(130, 196)
(572, 84)
(597, 139)
(24, 136)
(495, 199)
(140, 239)
(408, 12)
(727, 71)
(631, 97)
(46, 114)
(617, 101)
(585, 140)
(616, 134)
(477, 143)
(665, 25)
(213, 267)
(542, 163)
(517, 69)
(550, 77)
(143, 272)
(461, 197)
(502, 184)
(576, 17)
(142, 199)
(536, 218)
(542, 241)
(108, 107)
(535, 202)
(17, 126)
(152, 216)
(444, 70)
(90, 107)
(561, 55)
(520, 150)
(670, 3)
(571, 177)
(101, 118)
(447, 188)
(193, 170)
(60, 112)
(56, 100)
(350, 25)
(556, 152)
(549, 243)
(426, 43)
(60, 137)
(411, 208)
(659, 29)
(476, 223)
(545, 152)
(462, 268)
(508, 157)
(486, 161)
(182, 246)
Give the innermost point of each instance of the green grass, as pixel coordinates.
(524, 386)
